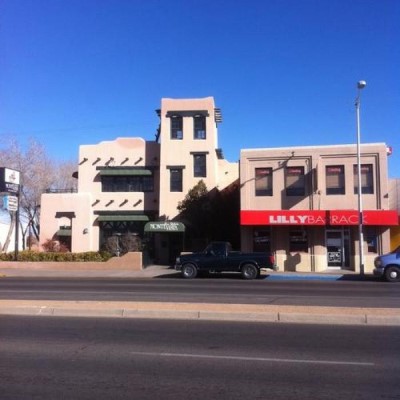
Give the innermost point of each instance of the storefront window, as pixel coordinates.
(262, 240)
(298, 241)
(371, 237)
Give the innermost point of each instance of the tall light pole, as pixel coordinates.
(360, 85)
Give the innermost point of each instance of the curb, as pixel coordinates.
(188, 311)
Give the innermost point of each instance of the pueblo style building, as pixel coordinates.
(133, 186)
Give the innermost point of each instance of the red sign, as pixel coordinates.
(318, 217)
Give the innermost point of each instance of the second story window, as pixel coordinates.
(127, 183)
(199, 166)
(335, 179)
(175, 182)
(263, 181)
(199, 126)
(295, 183)
(367, 180)
(177, 127)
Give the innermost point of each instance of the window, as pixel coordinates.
(367, 180)
(199, 165)
(298, 241)
(176, 127)
(199, 126)
(263, 181)
(295, 181)
(175, 183)
(335, 179)
(262, 240)
(371, 237)
(127, 183)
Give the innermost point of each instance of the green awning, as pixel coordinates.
(125, 172)
(168, 226)
(64, 232)
(109, 218)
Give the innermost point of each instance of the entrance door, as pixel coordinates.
(338, 248)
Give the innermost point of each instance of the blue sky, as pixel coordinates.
(284, 72)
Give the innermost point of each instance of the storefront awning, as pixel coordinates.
(168, 226)
(125, 172)
(318, 217)
(114, 218)
(64, 232)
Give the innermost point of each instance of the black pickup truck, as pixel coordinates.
(219, 257)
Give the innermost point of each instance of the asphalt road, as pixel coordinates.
(57, 358)
(373, 294)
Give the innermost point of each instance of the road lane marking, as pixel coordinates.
(262, 359)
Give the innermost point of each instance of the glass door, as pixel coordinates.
(337, 248)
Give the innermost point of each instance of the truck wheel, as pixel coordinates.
(189, 271)
(392, 274)
(250, 271)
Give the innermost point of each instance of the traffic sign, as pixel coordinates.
(10, 203)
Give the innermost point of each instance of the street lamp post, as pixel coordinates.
(360, 85)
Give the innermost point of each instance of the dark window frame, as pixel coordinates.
(262, 240)
(176, 127)
(371, 236)
(298, 241)
(127, 183)
(367, 179)
(199, 127)
(200, 165)
(176, 179)
(295, 187)
(339, 187)
(263, 173)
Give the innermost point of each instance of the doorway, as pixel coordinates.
(338, 248)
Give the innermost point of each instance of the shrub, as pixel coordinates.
(35, 256)
(119, 245)
(54, 246)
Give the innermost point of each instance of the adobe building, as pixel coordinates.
(302, 204)
(130, 185)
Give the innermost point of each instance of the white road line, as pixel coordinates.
(262, 359)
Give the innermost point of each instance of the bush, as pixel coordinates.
(119, 245)
(54, 246)
(34, 256)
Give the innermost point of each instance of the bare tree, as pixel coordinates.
(38, 173)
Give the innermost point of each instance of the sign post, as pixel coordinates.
(10, 185)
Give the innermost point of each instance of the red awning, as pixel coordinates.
(318, 217)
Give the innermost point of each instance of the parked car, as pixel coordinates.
(388, 266)
(219, 257)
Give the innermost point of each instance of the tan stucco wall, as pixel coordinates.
(220, 173)
(314, 157)
(126, 152)
(77, 203)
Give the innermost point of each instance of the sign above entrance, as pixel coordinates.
(168, 226)
(318, 217)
